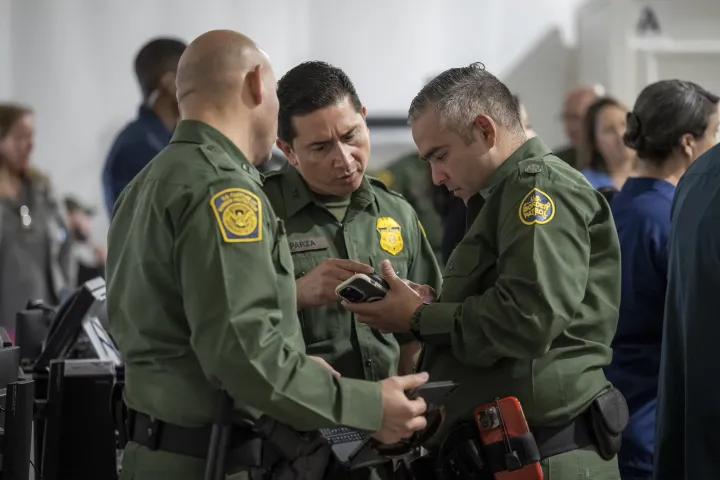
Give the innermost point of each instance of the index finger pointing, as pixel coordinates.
(353, 266)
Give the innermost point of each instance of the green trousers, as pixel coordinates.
(582, 464)
(140, 463)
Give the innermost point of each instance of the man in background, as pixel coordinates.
(573, 115)
(150, 132)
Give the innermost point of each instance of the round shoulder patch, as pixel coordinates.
(536, 208)
(386, 177)
(239, 215)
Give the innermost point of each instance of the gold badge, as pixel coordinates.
(385, 177)
(390, 236)
(536, 208)
(239, 215)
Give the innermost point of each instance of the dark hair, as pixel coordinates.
(460, 94)
(10, 113)
(593, 158)
(155, 59)
(664, 112)
(309, 87)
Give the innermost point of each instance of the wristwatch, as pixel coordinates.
(415, 322)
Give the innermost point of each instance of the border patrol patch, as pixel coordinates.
(536, 208)
(385, 177)
(390, 236)
(239, 215)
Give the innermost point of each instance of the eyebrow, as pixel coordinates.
(318, 143)
(431, 152)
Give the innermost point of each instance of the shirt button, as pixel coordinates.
(211, 148)
(368, 362)
(450, 266)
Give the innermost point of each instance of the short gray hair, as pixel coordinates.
(459, 95)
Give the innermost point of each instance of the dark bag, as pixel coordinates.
(609, 416)
(292, 455)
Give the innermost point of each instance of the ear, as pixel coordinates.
(687, 142)
(486, 130)
(167, 83)
(363, 112)
(287, 150)
(255, 84)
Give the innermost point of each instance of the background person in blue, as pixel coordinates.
(143, 138)
(673, 123)
(605, 159)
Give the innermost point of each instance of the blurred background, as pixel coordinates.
(72, 60)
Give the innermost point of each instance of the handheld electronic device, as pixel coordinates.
(363, 288)
(433, 392)
(500, 423)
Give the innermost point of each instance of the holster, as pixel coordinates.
(608, 417)
(290, 454)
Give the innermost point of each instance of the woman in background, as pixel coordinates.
(34, 252)
(608, 161)
(673, 123)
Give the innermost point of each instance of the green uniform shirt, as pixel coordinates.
(201, 297)
(378, 225)
(530, 295)
(411, 177)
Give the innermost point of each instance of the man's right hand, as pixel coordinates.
(317, 288)
(401, 416)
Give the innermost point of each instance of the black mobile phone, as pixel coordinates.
(433, 392)
(363, 288)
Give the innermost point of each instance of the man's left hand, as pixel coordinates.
(392, 314)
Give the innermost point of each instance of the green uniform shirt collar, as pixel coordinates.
(532, 148)
(298, 194)
(195, 131)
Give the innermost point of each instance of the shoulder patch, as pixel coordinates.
(536, 208)
(239, 215)
(391, 239)
(386, 177)
(378, 183)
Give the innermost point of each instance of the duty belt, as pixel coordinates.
(245, 445)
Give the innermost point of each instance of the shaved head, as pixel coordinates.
(215, 64)
(574, 109)
(224, 79)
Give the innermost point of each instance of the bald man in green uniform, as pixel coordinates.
(340, 222)
(530, 295)
(201, 293)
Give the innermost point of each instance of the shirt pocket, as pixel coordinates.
(319, 324)
(399, 263)
(470, 270)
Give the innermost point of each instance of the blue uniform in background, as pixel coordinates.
(597, 178)
(138, 143)
(642, 215)
(687, 444)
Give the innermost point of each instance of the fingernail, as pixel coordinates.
(424, 375)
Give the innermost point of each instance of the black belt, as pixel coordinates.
(245, 445)
(543, 442)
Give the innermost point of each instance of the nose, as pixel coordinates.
(438, 175)
(343, 157)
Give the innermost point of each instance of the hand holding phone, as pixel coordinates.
(362, 287)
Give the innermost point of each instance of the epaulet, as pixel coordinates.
(375, 182)
(217, 157)
(531, 167)
(273, 174)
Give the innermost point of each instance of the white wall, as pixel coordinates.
(5, 51)
(72, 60)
